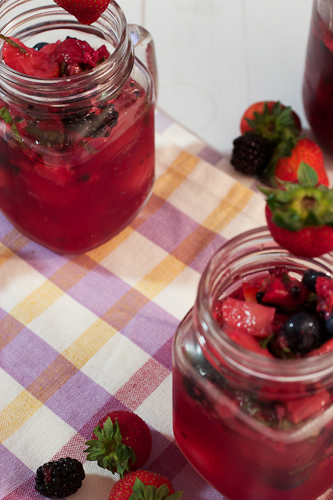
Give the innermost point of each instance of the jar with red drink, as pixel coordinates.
(318, 77)
(76, 152)
(254, 427)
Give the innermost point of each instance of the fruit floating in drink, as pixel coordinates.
(76, 133)
(318, 77)
(253, 373)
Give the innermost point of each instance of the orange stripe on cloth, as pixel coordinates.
(17, 413)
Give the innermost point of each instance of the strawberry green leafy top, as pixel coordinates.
(300, 205)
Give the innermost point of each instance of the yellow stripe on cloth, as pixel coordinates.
(168, 182)
(5, 254)
(231, 205)
(36, 303)
(17, 413)
(89, 343)
(99, 253)
(160, 277)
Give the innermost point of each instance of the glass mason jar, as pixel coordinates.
(76, 153)
(318, 78)
(232, 407)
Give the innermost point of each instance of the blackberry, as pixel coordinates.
(60, 478)
(251, 154)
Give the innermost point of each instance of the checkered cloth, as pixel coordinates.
(83, 335)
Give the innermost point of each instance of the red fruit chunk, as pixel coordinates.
(303, 408)
(323, 349)
(247, 341)
(254, 319)
(74, 51)
(32, 62)
(251, 288)
(280, 290)
(324, 290)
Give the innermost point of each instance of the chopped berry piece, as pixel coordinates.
(302, 332)
(250, 317)
(310, 277)
(251, 154)
(324, 290)
(280, 290)
(59, 479)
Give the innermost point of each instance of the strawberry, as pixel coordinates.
(144, 485)
(269, 131)
(250, 317)
(270, 119)
(300, 216)
(28, 61)
(121, 442)
(305, 151)
(85, 11)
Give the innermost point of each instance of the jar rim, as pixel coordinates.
(112, 72)
(220, 346)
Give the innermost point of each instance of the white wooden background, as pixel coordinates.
(215, 57)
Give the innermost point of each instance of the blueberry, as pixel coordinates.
(302, 332)
(310, 277)
(39, 45)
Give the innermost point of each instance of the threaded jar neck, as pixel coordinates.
(51, 21)
(251, 253)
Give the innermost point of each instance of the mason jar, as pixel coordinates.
(254, 427)
(318, 75)
(77, 152)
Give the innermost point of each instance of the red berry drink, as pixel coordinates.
(253, 374)
(76, 138)
(318, 78)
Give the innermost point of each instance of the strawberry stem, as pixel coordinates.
(13, 44)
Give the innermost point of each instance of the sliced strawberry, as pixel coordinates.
(323, 349)
(305, 407)
(251, 288)
(247, 341)
(283, 291)
(254, 319)
(324, 290)
(31, 62)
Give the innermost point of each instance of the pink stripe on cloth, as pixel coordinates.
(142, 384)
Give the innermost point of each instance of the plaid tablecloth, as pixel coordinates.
(82, 335)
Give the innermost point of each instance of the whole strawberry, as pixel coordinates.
(144, 485)
(85, 11)
(121, 442)
(304, 151)
(271, 120)
(300, 215)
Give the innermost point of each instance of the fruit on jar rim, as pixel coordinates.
(144, 485)
(300, 216)
(121, 442)
(85, 11)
